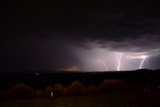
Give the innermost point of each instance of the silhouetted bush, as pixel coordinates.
(157, 91)
(75, 88)
(39, 94)
(20, 91)
(3, 95)
(92, 89)
(112, 85)
(84, 91)
(56, 90)
(48, 91)
(67, 91)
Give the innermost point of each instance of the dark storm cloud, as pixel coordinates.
(41, 33)
(131, 30)
(32, 53)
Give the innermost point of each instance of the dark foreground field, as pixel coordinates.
(139, 88)
(109, 100)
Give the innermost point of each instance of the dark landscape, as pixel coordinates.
(104, 89)
(75, 53)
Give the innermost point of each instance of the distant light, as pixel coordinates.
(51, 94)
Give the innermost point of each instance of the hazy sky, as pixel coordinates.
(52, 35)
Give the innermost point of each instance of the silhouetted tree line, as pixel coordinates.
(22, 91)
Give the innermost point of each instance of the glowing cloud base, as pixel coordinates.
(100, 59)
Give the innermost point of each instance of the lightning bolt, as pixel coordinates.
(145, 60)
(106, 68)
(118, 57)
(142, 62)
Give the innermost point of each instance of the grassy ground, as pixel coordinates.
(110, 100)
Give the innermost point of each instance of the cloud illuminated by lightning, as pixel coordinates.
(106, 68)
(113, 60)
(144, 58)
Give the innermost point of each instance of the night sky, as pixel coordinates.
(80, 35)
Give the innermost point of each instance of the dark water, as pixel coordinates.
(45, 78)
